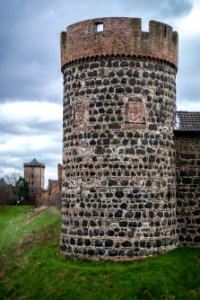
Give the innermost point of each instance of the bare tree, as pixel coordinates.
(8, 188)
(12, 178)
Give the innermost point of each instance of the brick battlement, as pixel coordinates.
(119, 37)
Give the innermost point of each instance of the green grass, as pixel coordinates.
(18, 222)
(40, 272)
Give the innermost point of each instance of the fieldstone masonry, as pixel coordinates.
(119, 185)
(188, 187)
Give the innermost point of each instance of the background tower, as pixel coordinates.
(34, 175)
(118, 149)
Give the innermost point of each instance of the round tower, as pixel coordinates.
(118, 194)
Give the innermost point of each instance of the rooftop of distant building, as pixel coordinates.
(35, 163)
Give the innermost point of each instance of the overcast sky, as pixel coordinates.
(30, 77)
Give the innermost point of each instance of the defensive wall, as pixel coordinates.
(119, 177)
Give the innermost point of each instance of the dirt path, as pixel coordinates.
(38, 210)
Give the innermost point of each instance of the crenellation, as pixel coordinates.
(119, 37)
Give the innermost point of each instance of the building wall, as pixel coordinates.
(50, 197)
(119, 158)
(53, 194)
(188, 187)
(35, 177)
(60, 174)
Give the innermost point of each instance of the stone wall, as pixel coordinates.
(50, 197)
(188, 187)
(119, 168)
(118, 195)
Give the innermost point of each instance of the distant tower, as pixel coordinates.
(34, 174)
(60, 171)
(118, 190)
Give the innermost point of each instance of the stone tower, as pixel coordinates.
(118, 197)
(34, 174)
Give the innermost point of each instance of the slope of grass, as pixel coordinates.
(40, 272)
(18, 222)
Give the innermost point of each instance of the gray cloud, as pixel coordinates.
(30, 30)
(28, 128)
(176, 9)
(188, 82)
(30, 66)
(156, 8)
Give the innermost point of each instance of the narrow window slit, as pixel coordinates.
(165, 33)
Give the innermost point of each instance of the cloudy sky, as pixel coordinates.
(30, 77)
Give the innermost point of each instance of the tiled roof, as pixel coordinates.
(34, 162)
(187, 121)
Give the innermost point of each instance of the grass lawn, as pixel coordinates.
(19, 222)
(40, 272)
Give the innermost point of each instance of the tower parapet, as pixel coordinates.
(119, 37)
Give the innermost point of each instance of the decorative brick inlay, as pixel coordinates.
(136, 112)
(80, 112)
